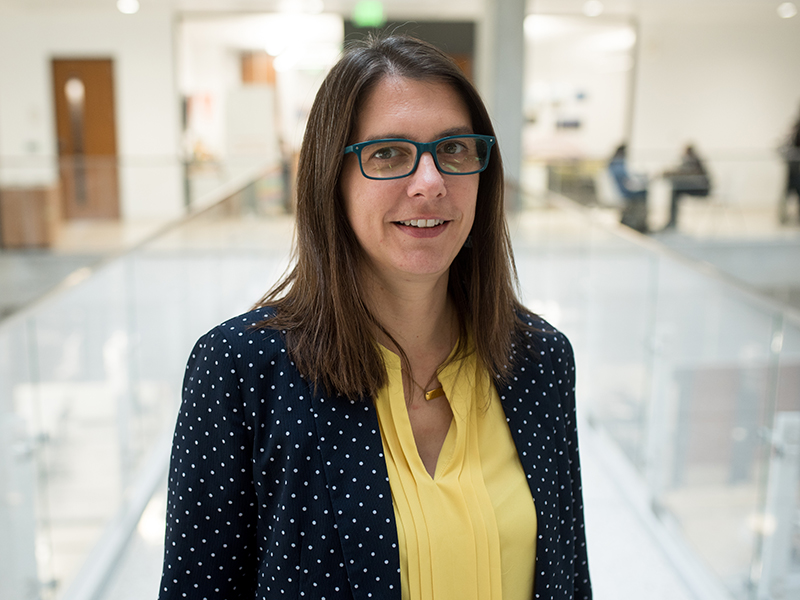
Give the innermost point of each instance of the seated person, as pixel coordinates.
(691, 178)
(632, 188)
(790, 151)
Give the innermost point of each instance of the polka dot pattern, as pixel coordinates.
(275, 491)
(539, 404)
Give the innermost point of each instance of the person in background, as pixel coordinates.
(389, 421)
(632, 188)
(790, 151)
(689, 178)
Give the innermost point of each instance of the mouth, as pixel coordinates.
(422, 223)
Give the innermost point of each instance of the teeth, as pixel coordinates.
(422, 222)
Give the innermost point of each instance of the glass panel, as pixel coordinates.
(618, 346)
(778, 562)
(695, 379)
(19, 577)
(711, 396)
(78, 408)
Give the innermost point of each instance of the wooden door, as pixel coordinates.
(87, 140)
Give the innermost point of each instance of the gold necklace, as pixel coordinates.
(429, 394)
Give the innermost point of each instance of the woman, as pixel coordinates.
(388, 422)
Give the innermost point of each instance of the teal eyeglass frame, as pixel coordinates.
(422, 148)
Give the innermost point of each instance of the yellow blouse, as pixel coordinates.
(468, 533)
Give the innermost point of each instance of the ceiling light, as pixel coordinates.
(128, 7)
(787, 10)
(593, 8)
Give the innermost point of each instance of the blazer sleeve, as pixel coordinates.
(564, 366)
(210, 546)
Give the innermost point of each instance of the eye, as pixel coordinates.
(386, 152)
(452, 147)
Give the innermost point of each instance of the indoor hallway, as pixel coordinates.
(687, 341)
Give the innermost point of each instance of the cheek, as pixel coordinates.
(471, 194)
(361, 202)
(349, 189)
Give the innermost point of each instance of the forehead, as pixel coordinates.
(415, 109)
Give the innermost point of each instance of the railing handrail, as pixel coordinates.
(205, 203)
(240, 182)
(751, 292)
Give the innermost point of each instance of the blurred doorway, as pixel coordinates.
(87, 139)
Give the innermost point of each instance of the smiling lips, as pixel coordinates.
(422, 223)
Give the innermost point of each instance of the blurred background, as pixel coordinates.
(148, 150)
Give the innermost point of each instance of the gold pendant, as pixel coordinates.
(434, 393)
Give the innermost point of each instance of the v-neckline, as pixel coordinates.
(402, 422)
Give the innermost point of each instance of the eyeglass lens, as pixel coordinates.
(387, 159)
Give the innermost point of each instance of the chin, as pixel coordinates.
(424, 270)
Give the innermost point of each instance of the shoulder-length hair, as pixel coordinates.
(329, 328)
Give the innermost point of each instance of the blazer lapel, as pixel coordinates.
(534, 416)
(355, 471)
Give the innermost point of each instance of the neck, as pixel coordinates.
(419, 315)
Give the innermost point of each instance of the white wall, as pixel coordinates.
(725, 76)
(147, 107)
(576, 68)
(210, 47)
(207, 69)
(721, 74)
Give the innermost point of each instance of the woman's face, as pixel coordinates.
(381, 212)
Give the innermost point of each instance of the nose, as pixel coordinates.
(426, 179)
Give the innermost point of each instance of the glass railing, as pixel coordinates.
(136, 187)
(90, 378)
(747, 226)
(694, 377)
(57, 216)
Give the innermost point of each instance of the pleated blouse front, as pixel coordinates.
(468, 532)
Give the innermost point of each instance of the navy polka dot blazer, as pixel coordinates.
(275, 492)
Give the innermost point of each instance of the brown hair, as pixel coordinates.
(329, 329)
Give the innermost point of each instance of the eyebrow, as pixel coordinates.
(442, 134)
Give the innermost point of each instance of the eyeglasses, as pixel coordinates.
(396, 158)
